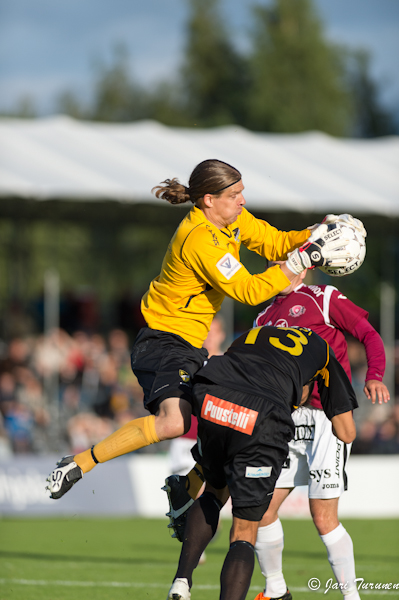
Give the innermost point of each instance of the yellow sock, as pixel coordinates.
(195, 480)
(134, 435)
(85, 461)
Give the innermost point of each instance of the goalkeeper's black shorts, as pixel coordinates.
(165, 364)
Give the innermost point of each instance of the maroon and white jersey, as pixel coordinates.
(328, 313)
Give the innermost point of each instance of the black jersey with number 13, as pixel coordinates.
(276, 362)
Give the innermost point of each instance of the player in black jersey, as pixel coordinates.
(243, 401)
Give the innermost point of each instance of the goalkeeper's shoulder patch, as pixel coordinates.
(228, 265)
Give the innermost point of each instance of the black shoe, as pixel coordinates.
(179, 503)
(64, 476)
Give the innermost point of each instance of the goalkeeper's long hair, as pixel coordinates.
(209, 177)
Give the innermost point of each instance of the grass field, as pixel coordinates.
(135, 559)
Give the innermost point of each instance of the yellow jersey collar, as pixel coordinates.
(231, 231)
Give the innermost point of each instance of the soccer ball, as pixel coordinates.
(357, 249)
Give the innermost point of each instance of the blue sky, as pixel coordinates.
(48, 46)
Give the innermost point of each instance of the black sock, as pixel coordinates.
(202, 522)
(236, 574)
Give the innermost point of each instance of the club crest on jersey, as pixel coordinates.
(228, 265)
(297, 310)
(228, 414)
(236, 232)
(185, 377)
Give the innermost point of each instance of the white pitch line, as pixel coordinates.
(136, 584)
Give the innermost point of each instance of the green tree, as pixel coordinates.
(24, 108)
(68, 103)
(297, 76)
(214, 73)
(117, 97)
(166, 105)
(370, 118)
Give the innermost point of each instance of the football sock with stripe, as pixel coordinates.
(237, 570)
(269, 550)
(132, 436)
(195, 480)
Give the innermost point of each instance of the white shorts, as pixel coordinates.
(181, 459)
(316, 458)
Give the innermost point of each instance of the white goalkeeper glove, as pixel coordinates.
(347, 220)
(326, 245)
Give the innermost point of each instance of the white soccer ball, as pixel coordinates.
(357, 249)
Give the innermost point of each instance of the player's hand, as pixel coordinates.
(315, 226)
(326, 246)
(376, 389)
(347, 220)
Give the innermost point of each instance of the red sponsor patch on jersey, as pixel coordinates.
(228, 414)
(297, 310)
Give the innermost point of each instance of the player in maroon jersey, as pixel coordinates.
(316, 457)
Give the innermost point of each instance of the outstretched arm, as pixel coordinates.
(374, 388)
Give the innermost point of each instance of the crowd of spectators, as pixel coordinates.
(63, 392)
(377, 425)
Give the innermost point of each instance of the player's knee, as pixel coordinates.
(242, 545)
(268, 518)
(171, 427)
(325, 522)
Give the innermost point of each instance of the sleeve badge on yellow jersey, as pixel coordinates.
(228, 265)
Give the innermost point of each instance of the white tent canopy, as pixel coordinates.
(61, 158)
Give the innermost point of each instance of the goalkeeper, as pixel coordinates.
(201, 266)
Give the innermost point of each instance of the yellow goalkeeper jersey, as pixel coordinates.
(202, 266)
